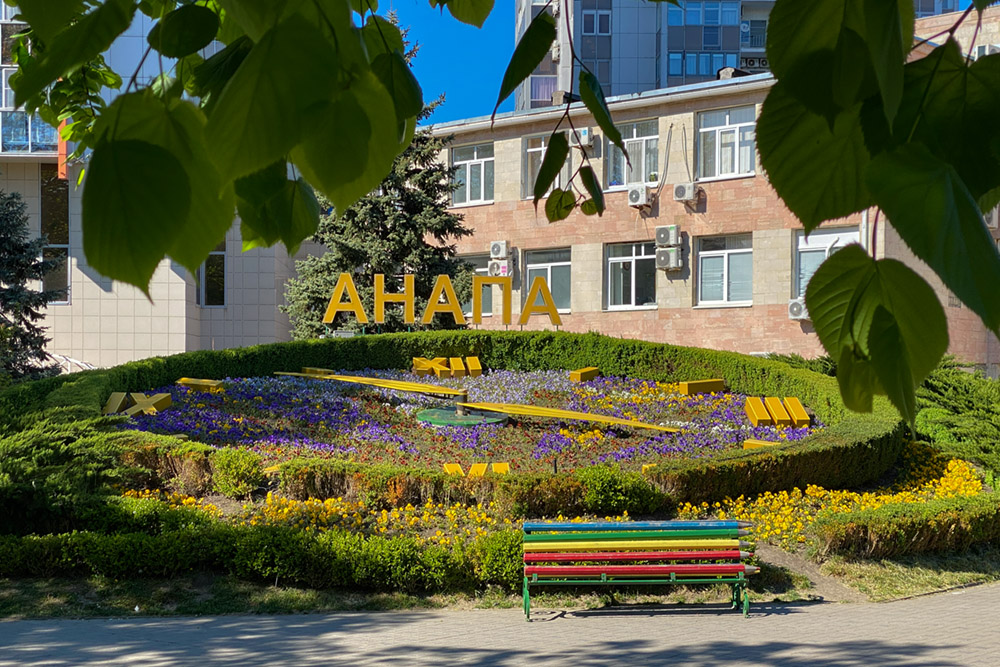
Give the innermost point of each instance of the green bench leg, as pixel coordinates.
(746, 601)
(527, 601)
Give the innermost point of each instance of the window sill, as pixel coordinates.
(212, 307)
(722, 304)
(620, 309)
(473, 204)
(727, 177)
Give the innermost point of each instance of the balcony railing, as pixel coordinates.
(21, 133)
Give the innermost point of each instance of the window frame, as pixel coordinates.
(637, 158)
(55, 246)
(726, 254)
(630, 259)
(595, 15)
(562, 178)
(200, 296)
(736, 128)
(528, 266)
(481, 161)
(839, 238)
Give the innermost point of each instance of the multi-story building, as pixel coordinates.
(695, 247)
(633, 46)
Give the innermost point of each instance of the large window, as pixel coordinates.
(20, 132)
(542, 87)
(211, 289)
(631, 275)
(473, 174)
(534, 153)
(481, 265)
(55, 228)
(554, 266)
(641, 142)
(725, 270)
(596, 22)
(726, 142)
(812, 250)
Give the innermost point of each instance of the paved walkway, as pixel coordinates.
(959, 629)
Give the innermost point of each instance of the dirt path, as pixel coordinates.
(825, 587)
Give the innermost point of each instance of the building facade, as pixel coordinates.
(633, 46)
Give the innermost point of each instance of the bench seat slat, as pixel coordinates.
(632, 545)
(644, 570)
(572, 557)
(575, 527)
(638, 535)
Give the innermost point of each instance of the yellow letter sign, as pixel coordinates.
(451, 305)
(546, 307)
(478, 283)
(353, 305)
(407, 298)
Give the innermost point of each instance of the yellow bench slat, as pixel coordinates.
(629, 545)
(757, 444)
(800, 418)
(777, 411)
(756, 412)
(712, 386)
(584, 374)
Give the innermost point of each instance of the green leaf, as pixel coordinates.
(981, 5)
(381, 36)
(473, 12)
(178, 127)
(290, 214)
(78, 44)
(48, 17)
(588, 207)
(559, 204)
(211, 76)
(133, 197)
(889, 32)
(183, 31)
(530, 51)
(593, 98)
(593, 187)
(796, 28)
(553, 162)
(362, 6)
(351, 147)
(272, 99)
(395, 75)
(939, 219)
(883, 324)
(256, 17)
(817, 171)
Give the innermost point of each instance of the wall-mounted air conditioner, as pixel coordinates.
(992, 218)
(499, 250)
(638, 196)
(797, 309)
(668, 235)
(586, 136)
(498, 267)
(685, 192)
(669, 259)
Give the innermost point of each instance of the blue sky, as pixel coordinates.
(464, 62)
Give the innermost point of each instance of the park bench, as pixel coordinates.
(637, 553)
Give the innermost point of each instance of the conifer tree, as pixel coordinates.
(402, 227)
(22, 339)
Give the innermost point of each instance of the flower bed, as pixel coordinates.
(285, 417)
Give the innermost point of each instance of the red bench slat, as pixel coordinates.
(653, 570)
(731, 554)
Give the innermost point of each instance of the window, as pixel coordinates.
(473, 174)
(542, 88)
(675, 62)
(675, 15)
(534, 153)
(705, 64)
(554, 266)
(631, 275)
(641, 141)
(211, 288)
(712, 15)
(601, 69)
(481, 265)
(812, 250)
(691, 64)
(20, 132)
(711, 38)
(725, 269)
(55, 228)
(726, 142)
(597, 22)
(730, 13)
(692, 13)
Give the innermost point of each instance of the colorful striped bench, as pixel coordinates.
(637, 553)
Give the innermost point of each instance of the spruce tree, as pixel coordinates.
(386, 232)
(22, 339)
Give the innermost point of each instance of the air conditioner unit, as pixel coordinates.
(992, 218)
(668, 235)
(555, 52)
(749, 62)
(763, 62)
(499, 250)
(984, 50)
(638, 196)
(685, 192)
(797, 309)
(498, 267)
(586, 136)
(669, 259)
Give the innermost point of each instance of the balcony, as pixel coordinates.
(753, 35)
(22, 134)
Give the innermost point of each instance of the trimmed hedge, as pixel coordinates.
(333, 559)
(853, 450)
(944, 525)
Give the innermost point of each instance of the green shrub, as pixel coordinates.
(609, 490)
(236, 471)
(960, 415)
(497, 559)
(944, 525)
